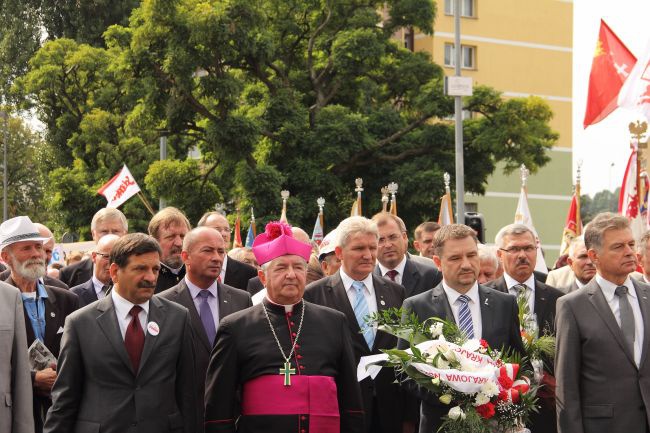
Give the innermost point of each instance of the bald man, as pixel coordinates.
(233, 272)
(100, 283)
(207, 299)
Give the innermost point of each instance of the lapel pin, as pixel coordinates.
(486, 302)
(52, 314)
(153, 328)
(225, 301)
(382, 302)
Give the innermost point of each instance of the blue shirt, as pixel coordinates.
(35, 307)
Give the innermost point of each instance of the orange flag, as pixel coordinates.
(611, 66)
(237, 242)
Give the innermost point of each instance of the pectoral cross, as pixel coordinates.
(287, 371)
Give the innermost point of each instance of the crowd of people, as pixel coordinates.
(175, 331)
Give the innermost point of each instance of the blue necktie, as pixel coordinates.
(361, 311)
(465, 317)
(206, 316)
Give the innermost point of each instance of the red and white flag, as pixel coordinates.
(523, 216)
(120, 188)
(573, 225)
(628, 199)
(446, 215)
(635, 93)
(611, 66)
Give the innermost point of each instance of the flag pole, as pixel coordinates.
(384, 199)
(146, 203)
(578, 216)
(392, 188)
(359, 183)
(320, 201)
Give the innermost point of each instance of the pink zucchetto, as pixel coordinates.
(277, 240)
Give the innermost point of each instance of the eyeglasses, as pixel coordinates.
(392, 239)
(104, 255)
(516, 250)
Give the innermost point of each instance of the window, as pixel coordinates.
(467, 56)
(467, 8)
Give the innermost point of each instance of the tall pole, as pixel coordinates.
(5, 142)
(458, 110)
(163, 156)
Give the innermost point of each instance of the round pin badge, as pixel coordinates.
(153, 328)
(382, 302)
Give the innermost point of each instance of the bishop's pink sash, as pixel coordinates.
(308, 395)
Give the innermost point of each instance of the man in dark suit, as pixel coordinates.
(169, 226)
(393, 261)
(518, 254)
(45, 307)
(233, 272)
(105, 221)
(207, 300)
(493, 314)
(357, 249)
(100, 283)
(126, 361)
(602, 360)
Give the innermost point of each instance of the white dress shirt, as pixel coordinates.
(609, 289)
(222, 274)
(213, 301)
(122, 310)
(399, 268)
(368, 292)
(98, 286)
(530, 292)
(474, 305)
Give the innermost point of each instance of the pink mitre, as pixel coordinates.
(277, 240)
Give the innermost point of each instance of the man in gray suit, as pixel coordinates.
(15, 382)
(207, 299)
(126, 361)
(395, 263)
(602, 363)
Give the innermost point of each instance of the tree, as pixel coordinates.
(298, 95)
(603, 201)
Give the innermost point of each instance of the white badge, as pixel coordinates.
(153, 328)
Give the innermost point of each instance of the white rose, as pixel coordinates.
(472, 345)
(436, 329)
(490, 389)
(456, 413)
(481, 399)
(442, 363)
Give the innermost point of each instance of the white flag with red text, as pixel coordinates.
(120, 188)
(629, 204)
(523, 216)
(635, 93)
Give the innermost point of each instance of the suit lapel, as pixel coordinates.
(487, 313)
(107, 321)
(225, 301)
(597, 299)
(341, 298)
(385, 299)
(643, 295)
(184, 298)
(541, 305)
(440, 304)
(52, 319)
(156, 314)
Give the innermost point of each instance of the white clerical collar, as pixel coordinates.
(453, 295)
(123, 307)
(399, 268)
(195, 290)
(348, 280)
(288, 308)
(530, 282)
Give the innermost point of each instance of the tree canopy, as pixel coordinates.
(297, 95)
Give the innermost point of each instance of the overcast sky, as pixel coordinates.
(603, 148)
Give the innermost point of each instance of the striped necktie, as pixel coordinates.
(361, 310)
(465, 317)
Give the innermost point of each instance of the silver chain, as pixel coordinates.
(295, 341)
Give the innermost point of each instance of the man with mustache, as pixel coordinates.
(45, 307)
(169, 227)
(356, 248)
(518, 253)
(126, 360)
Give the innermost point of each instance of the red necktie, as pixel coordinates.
(134, 338)
(392, 274)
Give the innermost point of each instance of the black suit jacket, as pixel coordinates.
(167, 279)
(254, 285)
(330, 292)
(545, 299)
(230, 301)
(49, 281)
(238, 274)
(418, 277)
(500, 328)
(58, 305)
(77, 273)
(85, 292)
